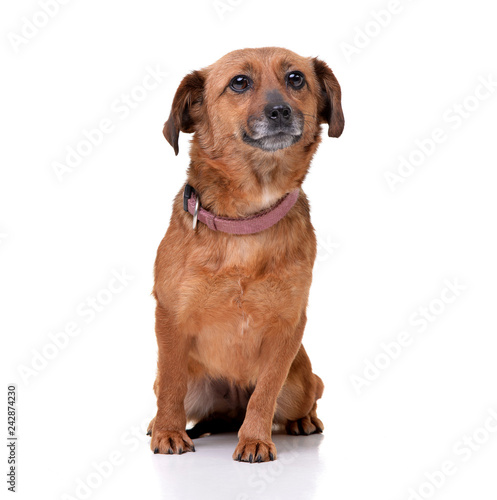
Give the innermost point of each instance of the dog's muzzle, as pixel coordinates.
(279, 127)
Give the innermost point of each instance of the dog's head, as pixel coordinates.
(269, 100)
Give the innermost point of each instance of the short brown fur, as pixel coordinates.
(231, 310)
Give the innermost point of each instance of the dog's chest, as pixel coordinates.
(235, 314)
(233, 295)
(230, 328)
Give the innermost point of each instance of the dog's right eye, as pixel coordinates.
(240, 83)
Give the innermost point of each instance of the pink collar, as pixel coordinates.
(248, 225)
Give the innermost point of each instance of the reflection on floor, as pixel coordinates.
(210, 472)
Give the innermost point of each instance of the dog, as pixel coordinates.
(233, 272)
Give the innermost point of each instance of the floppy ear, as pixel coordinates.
(330, 111)
(181, 119)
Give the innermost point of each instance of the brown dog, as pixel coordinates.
(231, 308)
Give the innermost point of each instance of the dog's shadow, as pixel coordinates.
(210, 472)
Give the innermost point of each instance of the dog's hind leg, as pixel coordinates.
(296, 404)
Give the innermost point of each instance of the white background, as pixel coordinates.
(383, 253)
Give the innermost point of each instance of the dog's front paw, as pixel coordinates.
(254, 450)
(170, 442)
(150, 427)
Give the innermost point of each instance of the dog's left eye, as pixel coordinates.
(295, 79)
(240, 83)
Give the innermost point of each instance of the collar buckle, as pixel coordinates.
(195, 213)
(187, 194)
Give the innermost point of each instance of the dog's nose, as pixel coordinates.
(281, 112)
